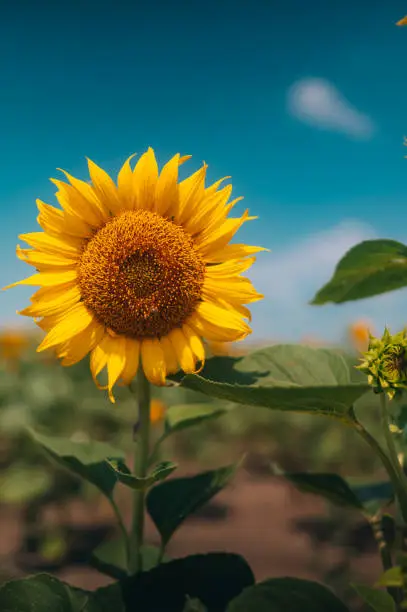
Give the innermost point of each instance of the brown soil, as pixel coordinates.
(258, 525)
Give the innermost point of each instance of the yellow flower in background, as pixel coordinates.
(157, 411)
(140, 271)
(12, 345)
(359, 335)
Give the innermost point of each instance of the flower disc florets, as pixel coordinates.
(385, 363)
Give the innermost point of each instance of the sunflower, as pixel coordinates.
(12, 345)
(140, 272)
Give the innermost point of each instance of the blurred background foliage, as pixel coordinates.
(36, 392)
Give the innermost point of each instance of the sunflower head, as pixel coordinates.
(385, 363)
(12, 346)
(359, 335)
(157, 411)
(138, 273)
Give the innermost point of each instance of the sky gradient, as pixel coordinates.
(303, 104)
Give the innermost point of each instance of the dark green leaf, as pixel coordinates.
(41, 593)
(379, 601)
(369, 268)
(86, 459)
(286, 595)
(44, 593)
(213, 579)
(171, 502)
(123, 474)
(330, 486)
(286, 377)
(107, 599)
(369, 492)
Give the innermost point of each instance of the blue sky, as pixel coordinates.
(303, 103)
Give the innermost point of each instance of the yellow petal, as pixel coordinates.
(236, 289)
(153, 361)
(75, 321)
(87, 192)
(45, 260)
(116, 362)
(50, 218)
(77, 209)
(195, 342)
(209, 205)
(125, 186)
(66, 245)
(229, 268)
(232, 251)
(191, 192)
(132, 361)
(215, 186)
(47, 279)
(55, 300)
(218, 324)
(98, 360)
(57, 222)
(236, 306)
(76, 348)
(183, 351)
(104, 187)
(166, 194)
(145, 176)
(402, 22)
(169, 355)
(215, 240)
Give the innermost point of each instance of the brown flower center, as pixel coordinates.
(140, 275)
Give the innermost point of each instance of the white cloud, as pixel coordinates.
(289, 279)
(318, 103)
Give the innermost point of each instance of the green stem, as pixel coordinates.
(391, 469)
(140, 470)
(391, 447)
(123, 530)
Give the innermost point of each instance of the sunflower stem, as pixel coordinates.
(401, 491)
(140, 469)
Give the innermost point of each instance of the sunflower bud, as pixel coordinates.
(385, 363)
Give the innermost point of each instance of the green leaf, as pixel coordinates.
(182, 416)
(123, 474)
(372, 491)
(86, 459)
(379, 601)
(107, 599)
(22, 483)
(392, 577)
(110, 558)
(286, 594)
(286, 377)
(214, 579)
(330, 486)
(369, 268)
(41, 593)
(171, 502)
(44, 593)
